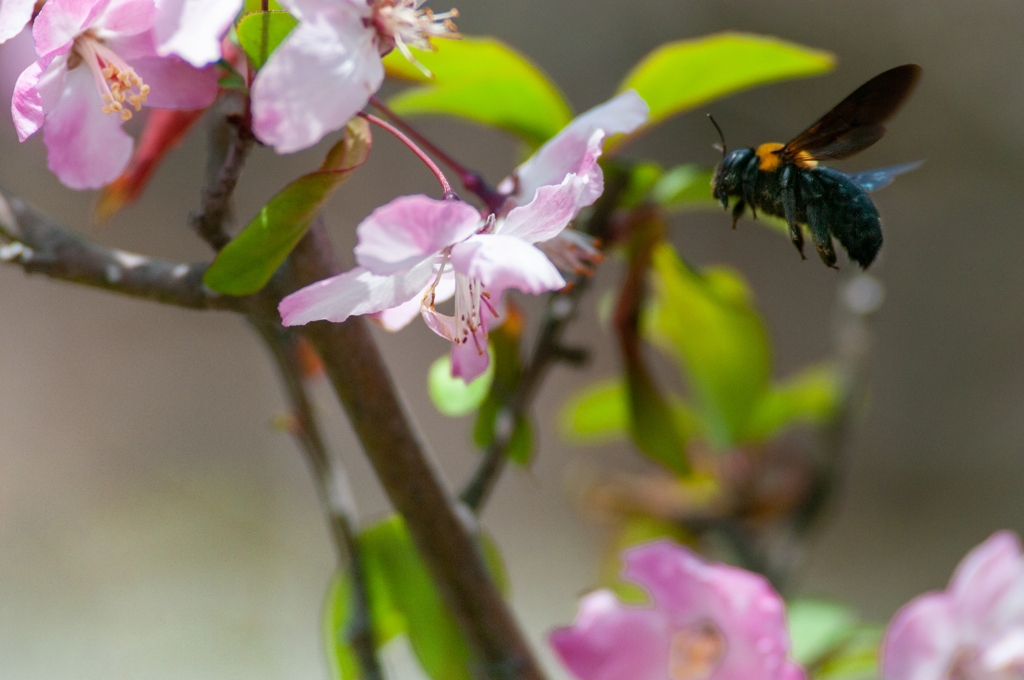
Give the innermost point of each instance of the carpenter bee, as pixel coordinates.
(786, 180)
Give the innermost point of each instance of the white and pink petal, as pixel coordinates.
(565, 152)
(357, 291)
(316, 80)
(86, 148)
(501, 262)
(609, 641)
(14, 16)
(409, 228)
(193, 29)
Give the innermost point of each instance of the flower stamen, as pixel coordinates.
(117, 82)
(402, 24)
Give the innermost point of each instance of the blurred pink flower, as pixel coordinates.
(326, 69)
(706, 622)
(973, 630)
(416, 251)
(14, 16)
(193, 29)
(97, 58)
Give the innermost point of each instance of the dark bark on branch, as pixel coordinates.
(444, 536)
(230, 142)
(40, 246)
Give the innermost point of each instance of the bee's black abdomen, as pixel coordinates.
(849, 214)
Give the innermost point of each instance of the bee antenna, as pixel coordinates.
(720, 133)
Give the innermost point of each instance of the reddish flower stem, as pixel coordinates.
(472, 180)
(445, 186)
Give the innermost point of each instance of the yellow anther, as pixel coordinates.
(126, 115)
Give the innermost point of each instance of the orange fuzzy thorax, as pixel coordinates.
(770, 160)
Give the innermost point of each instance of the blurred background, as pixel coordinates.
(154, 525)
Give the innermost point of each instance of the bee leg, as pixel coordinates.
(789, 206)
(817, 221)
(750, 183)
(737, 212)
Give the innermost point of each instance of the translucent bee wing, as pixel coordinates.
(873, 180)
(855, 123)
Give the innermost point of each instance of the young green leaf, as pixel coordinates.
(403, 599)
(706, 321)
(810, 396)
(260, 33)
(485, 81)
(342, 662)
(857, 659)
(452, 396)
(817, 628)
(681, 75)
(684, 187)
(251, 258)
(596, 414)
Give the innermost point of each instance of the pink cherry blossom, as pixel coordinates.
(193, 29)
(705, 622)
(973, 630)
(562, 154)
(97, 61)
(416, 252)
(330, 64)
(413, 250)
(14, 16)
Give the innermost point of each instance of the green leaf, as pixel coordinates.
(817, 628)
(485, 81)
(681, 75)
(452, 396)
(403, 599)
(246, 263)
(653, 424)
(342, 662)
(596, 414)
(684, 187)
(599, 414)
(251, 6)
(855, 660)
(810, 396)
(707, 322)
(260, 33)
(642, 178)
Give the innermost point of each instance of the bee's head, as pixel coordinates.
(728, 175)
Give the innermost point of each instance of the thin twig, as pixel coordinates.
(444, 536)
(40, 246)
(560, 311)
(335, 497)
(230, 142)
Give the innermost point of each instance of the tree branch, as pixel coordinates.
(443, 535)
(331, 486)
(230, 141)
(40, 246)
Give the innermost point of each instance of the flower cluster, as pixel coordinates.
(330, 64)
(416, 251)
(705, 622)
(97, 62)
